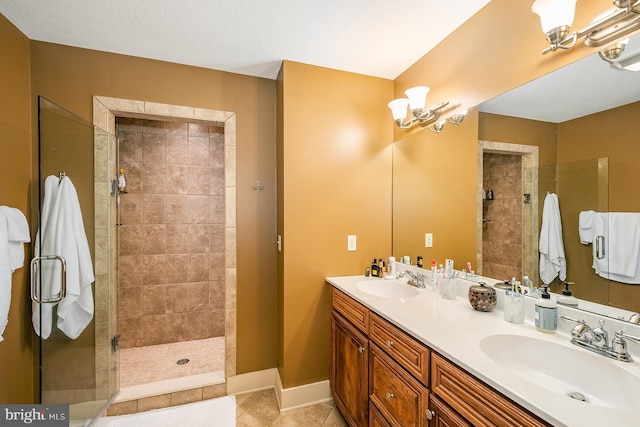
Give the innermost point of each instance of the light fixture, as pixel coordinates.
(613, 51)
(556, 17)
(416, 101)
(630, 63)
(454, 119)
(437, 126)
(457, 118)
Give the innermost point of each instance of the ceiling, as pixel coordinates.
(380, 38)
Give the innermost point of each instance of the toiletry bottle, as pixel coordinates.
(122, 183)
(546, 316)
(449, 267)
(381, 267)
(375, 270)
(392, 268)
(434, 276)
(419, 261)
(566, 298)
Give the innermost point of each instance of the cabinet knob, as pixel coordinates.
(389, 343)
(430, 415)
(390, 396)
(361, 349)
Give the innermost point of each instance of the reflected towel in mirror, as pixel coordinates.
(552, 259)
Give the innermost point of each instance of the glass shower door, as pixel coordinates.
(75, 351)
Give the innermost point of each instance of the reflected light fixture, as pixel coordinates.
(613, 52)
(556, 18)
(416, 100)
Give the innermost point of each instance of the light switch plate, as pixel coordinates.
(351, 242)
(428, 240)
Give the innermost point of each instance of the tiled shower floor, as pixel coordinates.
(154, 369)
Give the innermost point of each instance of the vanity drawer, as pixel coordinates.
(352, 310)
(475, 401)
(399, 397)
(407, 351)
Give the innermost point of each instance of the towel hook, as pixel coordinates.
(62, 175)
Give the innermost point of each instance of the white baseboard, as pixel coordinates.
(252, 381)
(288, 399)
(301, 396)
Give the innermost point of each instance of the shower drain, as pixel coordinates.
(577, 396)
(182, 361)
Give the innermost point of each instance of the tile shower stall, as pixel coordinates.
(171, 255)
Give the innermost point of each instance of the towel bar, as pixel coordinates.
(35, 276)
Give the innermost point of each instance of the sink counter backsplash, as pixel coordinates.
(454, 329)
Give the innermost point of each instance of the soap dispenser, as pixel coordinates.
(566, 298)
(546, 316)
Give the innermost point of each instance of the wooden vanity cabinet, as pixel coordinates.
(382, 377)
(349, 365)
(473, 400)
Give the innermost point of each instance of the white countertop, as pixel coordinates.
(454, 329)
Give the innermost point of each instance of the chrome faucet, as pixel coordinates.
(597, 340)
(415, 279)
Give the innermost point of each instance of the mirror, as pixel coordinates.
(580, 118)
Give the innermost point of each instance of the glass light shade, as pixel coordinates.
(417, 96)
(554, 13)
(399, 108)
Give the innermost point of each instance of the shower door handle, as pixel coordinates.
(35, 279)
(600, 247)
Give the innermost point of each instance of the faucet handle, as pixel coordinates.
(620, 334)
(572, 319)
(619, 345)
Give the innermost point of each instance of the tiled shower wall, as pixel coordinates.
(502, 238)
(172, 232)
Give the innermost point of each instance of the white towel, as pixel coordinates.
(551, 247)
(619, 258)
(585, 226)
(62, 233)
(14, 233)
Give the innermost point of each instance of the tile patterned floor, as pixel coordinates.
(141, 365)
(260, 409)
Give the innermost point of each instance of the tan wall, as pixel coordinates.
(16, 351)
(434, 180)
(70, 77)
(336, 172)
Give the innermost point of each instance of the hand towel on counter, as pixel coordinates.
(62, 233)
(551, 247)
(14, 233)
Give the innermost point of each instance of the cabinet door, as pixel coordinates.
(443, 416)
(376, 419)
(349, 371)
(399, 397)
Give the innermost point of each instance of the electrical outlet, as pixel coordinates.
(351, 242)
(428, 240)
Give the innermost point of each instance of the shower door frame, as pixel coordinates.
(106, 109)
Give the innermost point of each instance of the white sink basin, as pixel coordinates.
(387, 288)
(568, 371)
